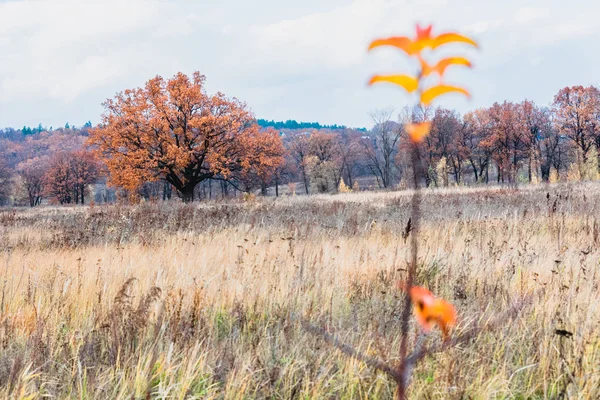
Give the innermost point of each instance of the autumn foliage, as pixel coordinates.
(430, 311)
(427, 309)
(68, 176)
(414, 47)
(174, 131)
(577, 115)
(5, 178)
(262, 163)
(33, 177)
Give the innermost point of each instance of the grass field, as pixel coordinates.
(194, 301)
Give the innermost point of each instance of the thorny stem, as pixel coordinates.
(402, 376)
(410, 363)
(347, 349)
(405, 366)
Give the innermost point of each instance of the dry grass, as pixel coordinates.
(194, 301)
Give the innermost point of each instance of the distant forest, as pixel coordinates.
(293, 124)
(504, 143)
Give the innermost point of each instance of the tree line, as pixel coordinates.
(52, 164)
(171, 137)
(293, 124)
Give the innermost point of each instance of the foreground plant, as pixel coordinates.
(427, 309)
(430, 311)
(417, 131)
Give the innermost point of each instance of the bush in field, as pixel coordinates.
(343, 188)
(589, 169)
(322, 175)
(441, 172)
(554, 176)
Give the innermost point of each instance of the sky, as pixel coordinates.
(304, 60)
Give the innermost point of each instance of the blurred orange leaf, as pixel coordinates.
(422, 40)
(409, 83)
(429, 311)
(423, 33)
(418, 131)
(451, 38)
(432, 93)
(440, 67)
(401, 42)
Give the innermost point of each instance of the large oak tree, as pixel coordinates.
(174, 131)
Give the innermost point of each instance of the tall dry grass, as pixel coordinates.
(194, 301)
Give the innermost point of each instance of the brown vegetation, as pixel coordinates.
(195, 300)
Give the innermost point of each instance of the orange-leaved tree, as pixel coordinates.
(32, 173)
(577, 116)
(69, 174)
(174, 131)
(261, 164)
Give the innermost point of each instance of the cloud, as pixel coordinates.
(335, 38)
(527, 15)
(61, 49)
(317, 40)
(286, 60)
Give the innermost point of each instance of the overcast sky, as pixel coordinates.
(303, 60)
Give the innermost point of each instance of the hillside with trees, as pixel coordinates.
(293, 124)
(170, 137)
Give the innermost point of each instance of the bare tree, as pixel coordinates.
(381, 149)
(349, 151)
(32, 173)
(299, 148)
(554, 149)
(5, 183)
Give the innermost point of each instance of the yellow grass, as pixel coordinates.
(208, 313)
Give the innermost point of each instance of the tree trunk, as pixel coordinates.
(187, 196)
(350, 180)
(386, 173)
(305, 179)
(545, 173)
(224, 189)
(474, 171)
(166, 191)
(187, 192)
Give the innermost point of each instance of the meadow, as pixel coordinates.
(172, 300)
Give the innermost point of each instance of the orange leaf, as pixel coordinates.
(428, 310)
(433, 92)
(409, 83)
(401, 42)
(418, 131)
(440, 67)
(422, 40)
(444, 314)
(422, 300)
(423, 33)
(445, 38)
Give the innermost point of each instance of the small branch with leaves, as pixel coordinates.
(401, 374)
(428, 310)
